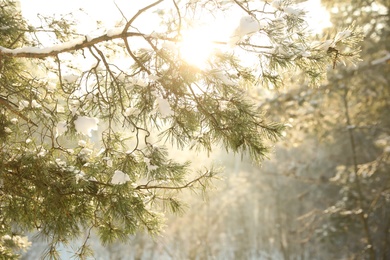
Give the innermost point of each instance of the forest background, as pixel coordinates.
(324, 191)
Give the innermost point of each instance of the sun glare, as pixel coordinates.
(318, 16)
(196, 47)
(198, 42)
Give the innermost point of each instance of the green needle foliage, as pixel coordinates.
(88, 148)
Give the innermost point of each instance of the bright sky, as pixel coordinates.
(196, 45)
(87, 11)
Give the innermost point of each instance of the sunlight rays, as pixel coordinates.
(196, 47)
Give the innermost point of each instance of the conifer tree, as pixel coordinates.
(349, 118)
(86, 147)
(361, 211)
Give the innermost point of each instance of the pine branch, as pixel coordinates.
(12, 107)
(78, 44)
(207, 174)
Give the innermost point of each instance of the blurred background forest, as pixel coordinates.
(324, 193)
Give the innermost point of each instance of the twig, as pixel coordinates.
(243, 8)
(206, 174)
(179, 14)
(11, 106)
(128, 24)
(124, 17)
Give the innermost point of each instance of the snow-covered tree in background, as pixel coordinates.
(348, 119)
(86, 122)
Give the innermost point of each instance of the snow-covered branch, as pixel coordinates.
(77, 43)
(70, 46)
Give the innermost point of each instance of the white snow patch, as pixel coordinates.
(7, 130)
(323, 45)
(36, 50)
(114, 31)
(342, 35)
(150, 166)
(85, 125)
(35, 104)
(82, 143)
(42, 152)
(60, 162)
(248, 25)
(86, 152)
(293, 11)
(80, 176)
(73, 106)
(163, 107)
(119, 177)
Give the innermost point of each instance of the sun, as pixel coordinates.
(200, 42)
(196, 47)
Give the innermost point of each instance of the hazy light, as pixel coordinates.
(196, 47)
(197, 43)
(318, 17)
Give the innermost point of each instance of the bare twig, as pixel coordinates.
(128, 24)
(142, 66)
(179, 14)
(124, 17)
(243, 7)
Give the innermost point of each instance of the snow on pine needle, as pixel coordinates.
(248, 25)
(85, 125)
(119, 177)
(164, 107)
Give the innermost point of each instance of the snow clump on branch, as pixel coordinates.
(248, 25)
(119, 177)
(85, 125)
